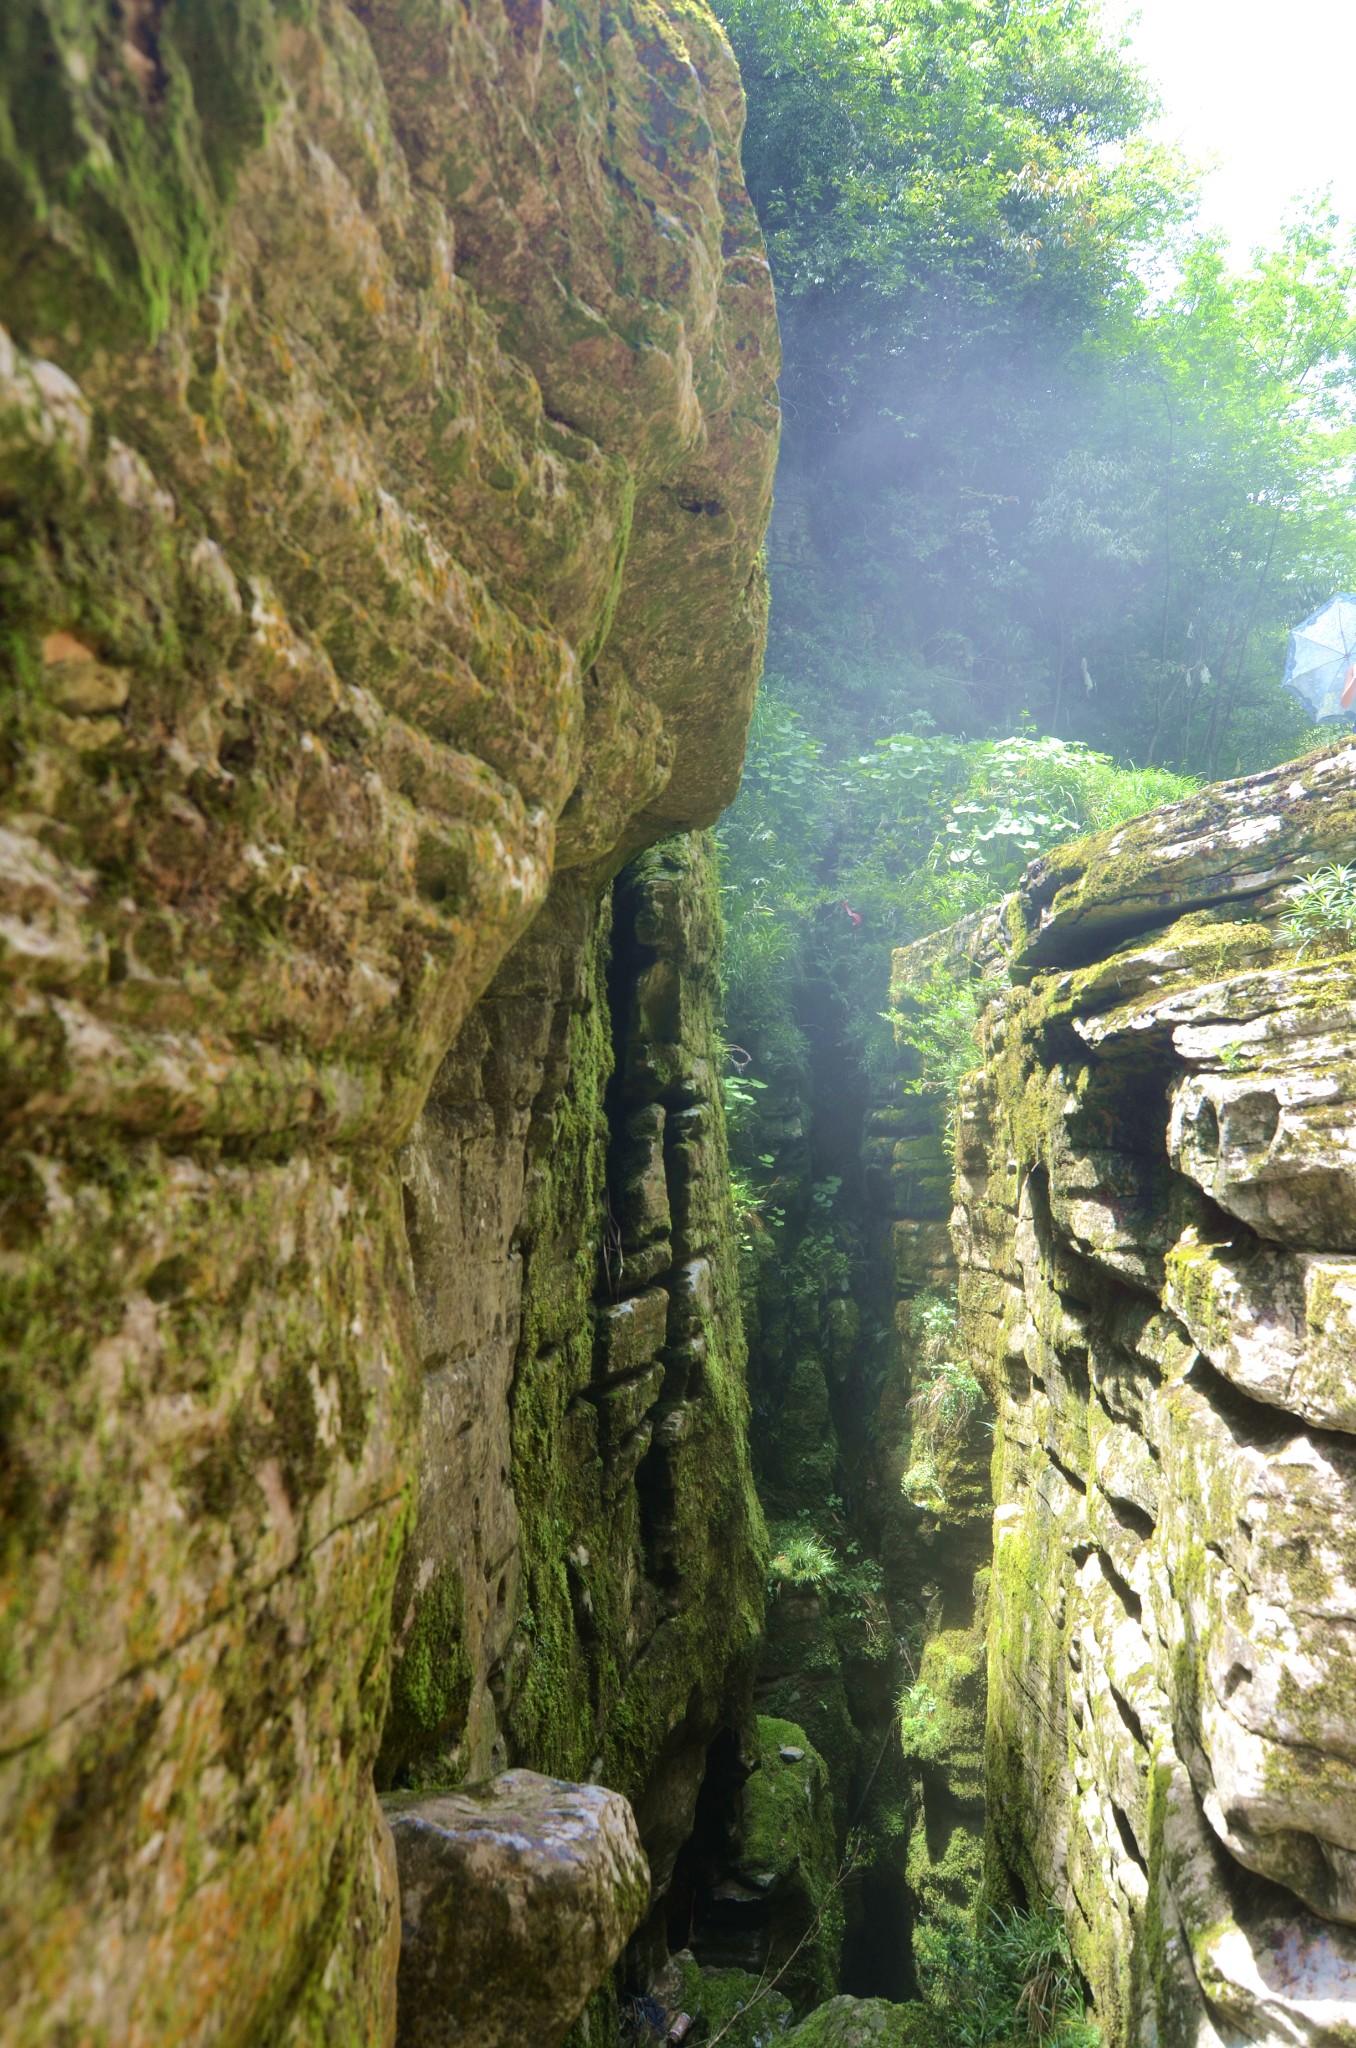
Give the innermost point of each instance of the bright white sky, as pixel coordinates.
(1267, 89)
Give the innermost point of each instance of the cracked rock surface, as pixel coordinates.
(387, 425)
(1155, 1224)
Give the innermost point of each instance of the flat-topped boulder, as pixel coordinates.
(1231, 841)
(516, 1898)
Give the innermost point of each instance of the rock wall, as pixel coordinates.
(877, 1497)
(584, 1589)
(820, 1349)
(1156, 1225)
(934, 1438)
(386, 434)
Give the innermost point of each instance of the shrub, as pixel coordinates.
(1323, 909)
(804, 1560)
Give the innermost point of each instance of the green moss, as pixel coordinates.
(803, 1451)
(872, 2023)
(583, 1699)
(789, 1848)
(738, 2007)
(432, 1678)
(118, 153)
(598, 2025)
(1026, 1761)
(557, 1475)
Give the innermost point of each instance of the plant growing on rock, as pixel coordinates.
(946, 1396)
(1027, 1985)
(1323, 909)
(947, 1392)
(803, 1560)
(945, 1400)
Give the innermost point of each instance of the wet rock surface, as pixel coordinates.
(1154, 1227)
(516, 1897)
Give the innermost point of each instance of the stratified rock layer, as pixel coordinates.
(584, 1587)
(386, 434)
(516, 1897)
(1155, 1230)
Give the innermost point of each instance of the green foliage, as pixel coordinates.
(908, 836)
(945, 826)
(1014, 1981)
(803, 1560)
(1323, 909)
(945, 1399)
(947, 1396)
(1045, 450)
(933, 1317)
(741, 1102)
(918, 1705)
(946, 1392)
(938, 1027)
(890, 140)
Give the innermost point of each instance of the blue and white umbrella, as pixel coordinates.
(1321, 668)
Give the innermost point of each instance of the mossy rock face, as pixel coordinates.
(325, 644)
(601, 1437)
(789, 1854)
(870, 2023)
(1154, 1225)
(802, 1680)
(1230, 843)
(742, 2009)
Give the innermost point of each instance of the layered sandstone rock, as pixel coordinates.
(1155, 1231)
(386, 433)
(583, 1590)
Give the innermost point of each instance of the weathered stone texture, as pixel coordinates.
(934, 1457)
(1154, 1225)
(386, 434)
(516, 1897)
(583, 1590)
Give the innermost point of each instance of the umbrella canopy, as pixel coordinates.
(1321, 669)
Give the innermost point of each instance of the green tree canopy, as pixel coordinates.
(1023, 475)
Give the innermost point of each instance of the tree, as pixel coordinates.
(1016, 481)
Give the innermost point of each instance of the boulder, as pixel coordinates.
(866, 2023)
(516, 1898)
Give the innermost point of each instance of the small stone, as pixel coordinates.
(790, 1755)
(78, 681)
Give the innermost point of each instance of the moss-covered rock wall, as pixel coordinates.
(934, 1435)
(584, 1590)
(386, 435)
(1156, 1231)
(872, 1461)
